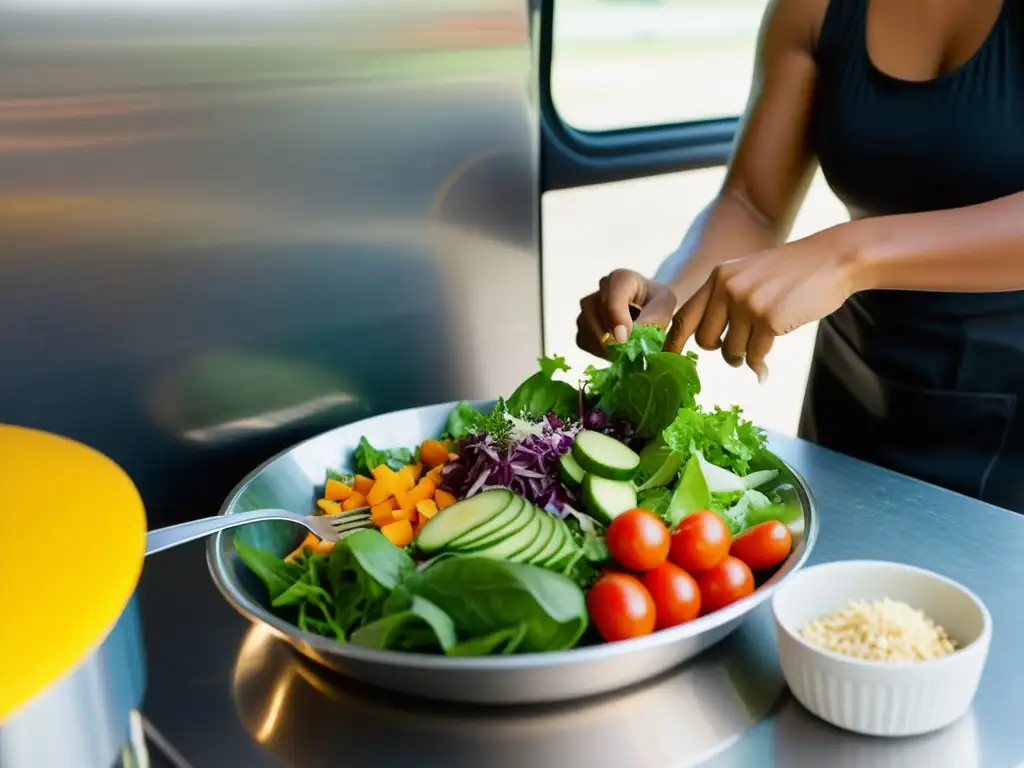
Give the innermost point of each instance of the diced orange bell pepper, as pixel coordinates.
(362, 484)
(424, 490)
(381, 513)
(335, 490)
(384, 488)
(311, 542)
(323, 548)
(410, 474)
(355, 501)
(426, 509)
(329, 507)
(435, 474)
(443, 499)
(398, 533)
(382, 471)
(404, 500)
(404, 514)
(433, 453)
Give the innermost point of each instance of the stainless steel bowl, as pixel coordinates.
(289, 481)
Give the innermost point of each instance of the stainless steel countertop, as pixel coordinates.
(224, 694)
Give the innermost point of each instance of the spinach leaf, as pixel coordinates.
(366, 458)
(691, 495)
(422, 627)
(342, 477)
(643, 384)
(483, 595)
(295, 584)
(595, 548)
(655, 499)
(362, 570)
(603, 383)
(541, 393)
(659, 465)
(278, 575)
(464, 420)
(501, 642)
(651, 396)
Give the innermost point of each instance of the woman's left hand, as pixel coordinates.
(764, 295)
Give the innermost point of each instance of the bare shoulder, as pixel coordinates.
(794, 24)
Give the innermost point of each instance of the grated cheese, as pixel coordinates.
(884, 630)
(522, 428)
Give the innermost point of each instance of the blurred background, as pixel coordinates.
(227, 226)
(621, 64)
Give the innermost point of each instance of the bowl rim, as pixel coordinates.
(220, 568)
(980, 642)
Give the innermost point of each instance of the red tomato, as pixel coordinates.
(701, 542)
(620, 607)
(724, 583)
(638, 540)
(675, 593)
(763, 546)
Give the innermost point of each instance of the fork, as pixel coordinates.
(327, 527)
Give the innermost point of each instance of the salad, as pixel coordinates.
(567, 514)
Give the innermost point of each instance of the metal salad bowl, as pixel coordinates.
(291, 480)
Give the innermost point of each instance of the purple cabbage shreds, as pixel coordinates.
(529, 467)
(599, 421)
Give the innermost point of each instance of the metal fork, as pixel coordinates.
(327, 527)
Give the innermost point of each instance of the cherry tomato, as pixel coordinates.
(638, 540)
(763, 546)
(724, 583)
(620, 607)
(675, 593)
(701, 542)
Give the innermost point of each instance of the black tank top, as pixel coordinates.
(890, 146)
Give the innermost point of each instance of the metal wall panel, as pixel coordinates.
(227, 225)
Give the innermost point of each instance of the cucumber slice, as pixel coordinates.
(570, 470)
(461, 517)
(547, 532)
(554, 545)
(511, 519)
(607, 499)
(565, 556)
(604, 456)
(510, 547)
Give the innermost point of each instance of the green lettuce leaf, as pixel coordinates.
(541, 393)
(644, 384)
(724, 437)
(366, 458)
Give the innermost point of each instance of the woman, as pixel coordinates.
(915, 111)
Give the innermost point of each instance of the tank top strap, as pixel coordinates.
(840, 40)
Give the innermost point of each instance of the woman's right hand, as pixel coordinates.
(605, 314)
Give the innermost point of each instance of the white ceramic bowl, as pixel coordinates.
(881, 698)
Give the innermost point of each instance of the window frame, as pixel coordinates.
(572, 157)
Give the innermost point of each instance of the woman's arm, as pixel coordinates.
(976, 249)
(772, 163)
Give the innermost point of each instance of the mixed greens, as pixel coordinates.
(487, 539)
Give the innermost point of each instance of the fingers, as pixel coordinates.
(590, 328)
(660, 308)
(761, 341)
(734, 347)
(687, 319)
(716, 317)
(619, 290)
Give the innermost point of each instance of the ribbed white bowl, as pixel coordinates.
(879, 698)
